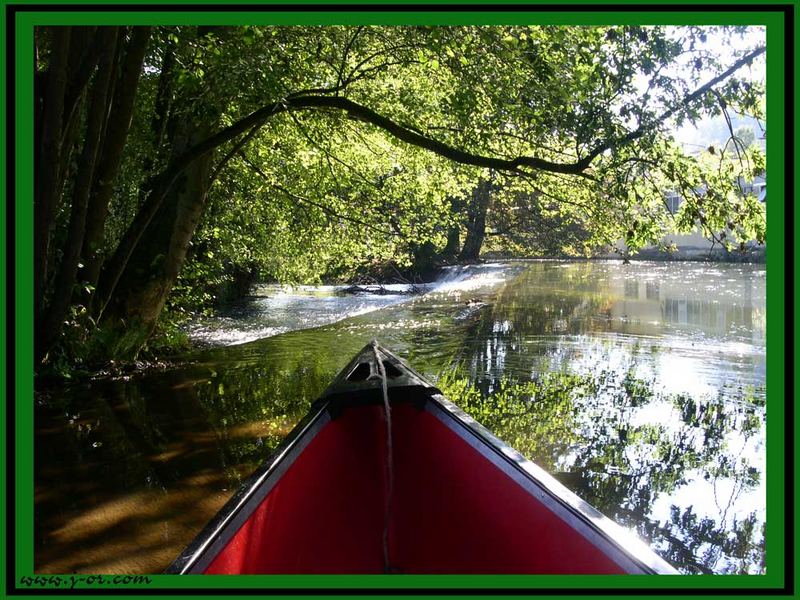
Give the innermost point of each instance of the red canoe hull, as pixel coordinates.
(461, 501)
(452, 510)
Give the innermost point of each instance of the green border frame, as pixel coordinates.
(716, 12)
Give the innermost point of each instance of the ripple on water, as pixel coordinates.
(678, 350)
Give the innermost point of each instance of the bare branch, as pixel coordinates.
(231, 153)
(343, 65)
(641, 131)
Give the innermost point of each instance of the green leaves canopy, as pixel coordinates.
(366, 134)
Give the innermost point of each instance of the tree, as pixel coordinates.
(111, 58)
(562, 112)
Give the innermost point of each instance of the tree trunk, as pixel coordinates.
(116, 134)
(450, 250)
(65, 277)
(476, 221)
(73, 104)
(153, 267)
(161, 107)
(453, 245)
(135, 286)
(48, 164)
(425, 258)
(85, 49)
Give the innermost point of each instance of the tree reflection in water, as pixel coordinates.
(647, 401)
(127, 472)
(590, 433)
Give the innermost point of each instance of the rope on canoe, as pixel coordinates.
(389, 460)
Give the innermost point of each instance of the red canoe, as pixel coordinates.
(439, 494)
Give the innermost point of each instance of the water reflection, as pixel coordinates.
(128, 472)
(640, 386)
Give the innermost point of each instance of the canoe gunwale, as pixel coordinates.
(626, 550)
(632, 551)
(201, 552)
(619, 544)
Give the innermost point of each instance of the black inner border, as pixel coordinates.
(788, 11)
(402, 8)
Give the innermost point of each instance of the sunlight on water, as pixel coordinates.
(277, 309)
(666, 434)
(471, 277)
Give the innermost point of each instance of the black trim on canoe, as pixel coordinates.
(361, 375)
(360, 383)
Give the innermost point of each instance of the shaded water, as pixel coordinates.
(640, 386)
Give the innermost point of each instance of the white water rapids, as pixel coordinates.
(276, 309)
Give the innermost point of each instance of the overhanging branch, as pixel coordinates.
(416, 138)
(688, 99)
(522, 165)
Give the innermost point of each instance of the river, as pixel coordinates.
(669, 441)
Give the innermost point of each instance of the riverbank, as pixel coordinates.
(387, 281)
(390, 273)
(688, 254)
(696, 254)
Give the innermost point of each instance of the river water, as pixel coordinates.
(670, 442)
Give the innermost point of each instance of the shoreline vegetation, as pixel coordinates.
(171, 341)
(384, 274)
(178, 165)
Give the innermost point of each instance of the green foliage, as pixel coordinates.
(317, 194)
(168, 339)
(311, 207)
(74, 348)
